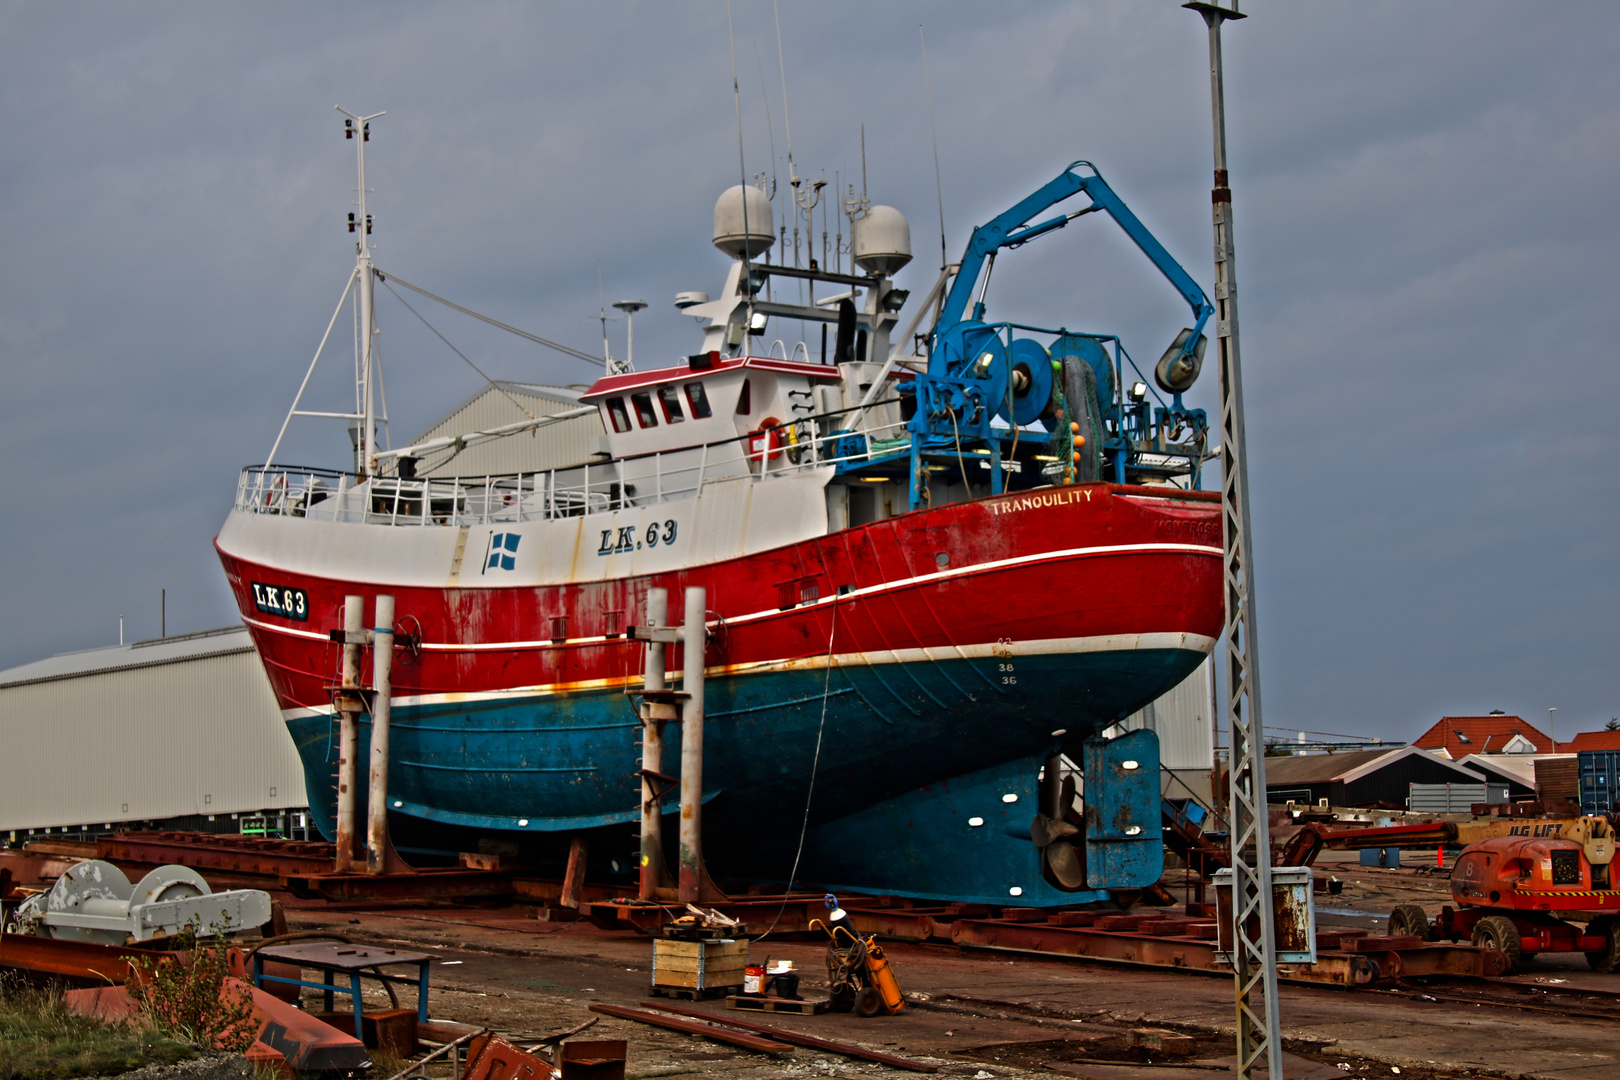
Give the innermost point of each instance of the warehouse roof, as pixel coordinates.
(1519, 768)
(164, 650)
(1317, 768)
(1328, 768)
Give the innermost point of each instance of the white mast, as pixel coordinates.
(360, 223)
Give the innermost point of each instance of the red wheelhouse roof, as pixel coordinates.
(636, 380)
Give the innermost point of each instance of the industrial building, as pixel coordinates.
(1369, 777)
(176, 732)
(555, 446)
(1183, 720)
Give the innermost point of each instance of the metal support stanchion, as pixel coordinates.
(382, 659)
(658, 707)
(694, 884)
(349, 706)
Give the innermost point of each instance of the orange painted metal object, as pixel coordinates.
(80, 961)
(490, 1057)
(1521, 873)
(299, 1041)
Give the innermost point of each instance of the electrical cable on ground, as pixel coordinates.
(815, 763)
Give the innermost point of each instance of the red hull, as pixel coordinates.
(1056, 565)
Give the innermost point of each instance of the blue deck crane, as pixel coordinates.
(979, 371)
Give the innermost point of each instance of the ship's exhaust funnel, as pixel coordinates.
(844, 345)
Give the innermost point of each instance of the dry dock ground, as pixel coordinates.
(993, 1015)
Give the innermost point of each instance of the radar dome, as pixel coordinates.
(732, 234)
(882, 240)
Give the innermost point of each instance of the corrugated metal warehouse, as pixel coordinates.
(1186, 737)
(568, 442)
(1361, 777)
(174, 730)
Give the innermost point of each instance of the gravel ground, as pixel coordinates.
(210, 1067)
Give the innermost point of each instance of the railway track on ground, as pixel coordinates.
(1509, 994)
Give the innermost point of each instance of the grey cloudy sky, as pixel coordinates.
(1427, 224)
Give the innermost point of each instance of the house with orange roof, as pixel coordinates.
(1591, 740)
(1496, 733)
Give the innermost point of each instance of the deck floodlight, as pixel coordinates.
(1178, 368)
(1138, 391)
(895, 299)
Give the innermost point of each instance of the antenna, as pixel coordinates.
(365, 448)
(787, 118)
(939, 189)
(863, 161)
(742, 175)
(601, 301)
(769, 128)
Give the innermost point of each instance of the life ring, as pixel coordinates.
(278, 488)
(765, 442)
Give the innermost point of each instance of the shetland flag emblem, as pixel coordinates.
(502, 549)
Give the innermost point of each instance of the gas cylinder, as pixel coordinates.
(882, 977)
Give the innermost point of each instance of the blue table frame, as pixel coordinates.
(333, 959)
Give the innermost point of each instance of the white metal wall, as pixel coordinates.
(187, 736)
(569, 442)
(1182, 719)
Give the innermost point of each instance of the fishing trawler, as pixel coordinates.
(926, 555)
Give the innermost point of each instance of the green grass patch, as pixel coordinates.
(41, 1039)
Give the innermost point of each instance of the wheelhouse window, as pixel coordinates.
(644, 410)
(744, 401)
(698, 400)
(617, 415)
(669, 399)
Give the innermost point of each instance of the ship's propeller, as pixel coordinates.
(1062, 864)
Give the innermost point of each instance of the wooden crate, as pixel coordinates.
(698, 965)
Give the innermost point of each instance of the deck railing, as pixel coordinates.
(645, 480)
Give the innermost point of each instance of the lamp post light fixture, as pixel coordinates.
(630, 307)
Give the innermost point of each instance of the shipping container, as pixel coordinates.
(1600, 776)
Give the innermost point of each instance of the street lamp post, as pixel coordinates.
(1254, 937)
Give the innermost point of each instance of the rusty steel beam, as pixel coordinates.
(1122, 946)
(231, 854)
(1437, 959)
(417, 885)
(809, 1041)
(708, 1031)
(1343, 959)
(897, 923)
(79, 960)
(1145, 948)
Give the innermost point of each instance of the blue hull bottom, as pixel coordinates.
(925, 844)
(524, 773)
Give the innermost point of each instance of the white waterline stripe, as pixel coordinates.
(1041, 647)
